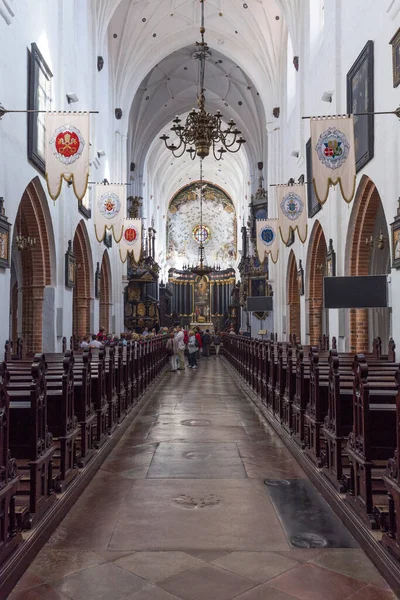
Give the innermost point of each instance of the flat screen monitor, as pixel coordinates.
(356, 292)
(259, 303)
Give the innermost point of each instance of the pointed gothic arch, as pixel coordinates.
(293, 298)
(33, 271)
(316, 262)
(105, 292)
(363, 258)
(83, 290)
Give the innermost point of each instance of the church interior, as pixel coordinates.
(209, 185)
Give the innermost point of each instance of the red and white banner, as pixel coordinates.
(109, 211)
(333, 156)
(67, 152)
(292, 208)
(131, 241)
(268, 239)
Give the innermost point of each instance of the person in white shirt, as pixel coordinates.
(85, 342)
(95, 343)
(180, 338)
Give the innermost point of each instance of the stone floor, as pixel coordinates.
(179, 511)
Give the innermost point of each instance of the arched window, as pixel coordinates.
(317, 19)
(290, 78)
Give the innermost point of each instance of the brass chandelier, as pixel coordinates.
(202, 130)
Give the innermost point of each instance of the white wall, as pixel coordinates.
(62, 30)
(324, 64)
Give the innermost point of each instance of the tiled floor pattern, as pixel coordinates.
(178, 511)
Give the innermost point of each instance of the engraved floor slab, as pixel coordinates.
(197, 461)
(308, 520)
(197, 515)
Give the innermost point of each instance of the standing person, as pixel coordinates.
(145, 332)
(85, 342)
(172, 348)
(101, 336)
(217, 342)
(192, 350)
(206, 343)
(199, 341)
(180, 337)
(95, 343)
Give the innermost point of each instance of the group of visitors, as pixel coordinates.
(102, 339)
(193, 343)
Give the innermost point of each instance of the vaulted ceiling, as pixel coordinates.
(150, 44)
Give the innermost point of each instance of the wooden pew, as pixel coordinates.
(391, 478)
(289, 392)
(9, 478)
(32, 445)
(61, 418)
(372, 440)
(337, 424)
(300, 398)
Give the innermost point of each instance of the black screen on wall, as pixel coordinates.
(355, 292)
(259, 303)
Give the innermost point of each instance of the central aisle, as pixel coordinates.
(179, 511)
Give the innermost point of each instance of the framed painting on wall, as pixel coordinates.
(5, 227)
(396, 240)
(97, 281)
(300, 279)
(330, 269)
(313, 205)
(395, 43)
(70, 267)
(360, 99)
(39, 99)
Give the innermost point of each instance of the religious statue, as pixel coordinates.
(202, 300)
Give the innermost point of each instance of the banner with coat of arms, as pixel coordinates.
(131, 241)
(292, 207)
(333, 156)
(109, 211)
(268, 239)
(67, 152)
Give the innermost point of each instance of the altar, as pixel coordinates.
(203, 327)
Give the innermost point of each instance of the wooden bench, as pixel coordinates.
(372, 440)
(9, 478)
(391, 478)
(32, 445)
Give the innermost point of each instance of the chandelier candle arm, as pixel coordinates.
(202, 130)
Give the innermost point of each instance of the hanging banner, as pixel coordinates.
(67, 152)
(333, 156)
(109, 211)
(292, 207)
(131, 241)
(268, 239)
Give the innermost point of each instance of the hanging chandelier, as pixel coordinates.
(202, 130)
(23, 242)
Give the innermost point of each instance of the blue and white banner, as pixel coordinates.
(333, 156)
(109, 211)
(268, 239)
(292, 210)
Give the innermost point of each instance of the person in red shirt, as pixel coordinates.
(101, 336)
(199, 341)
